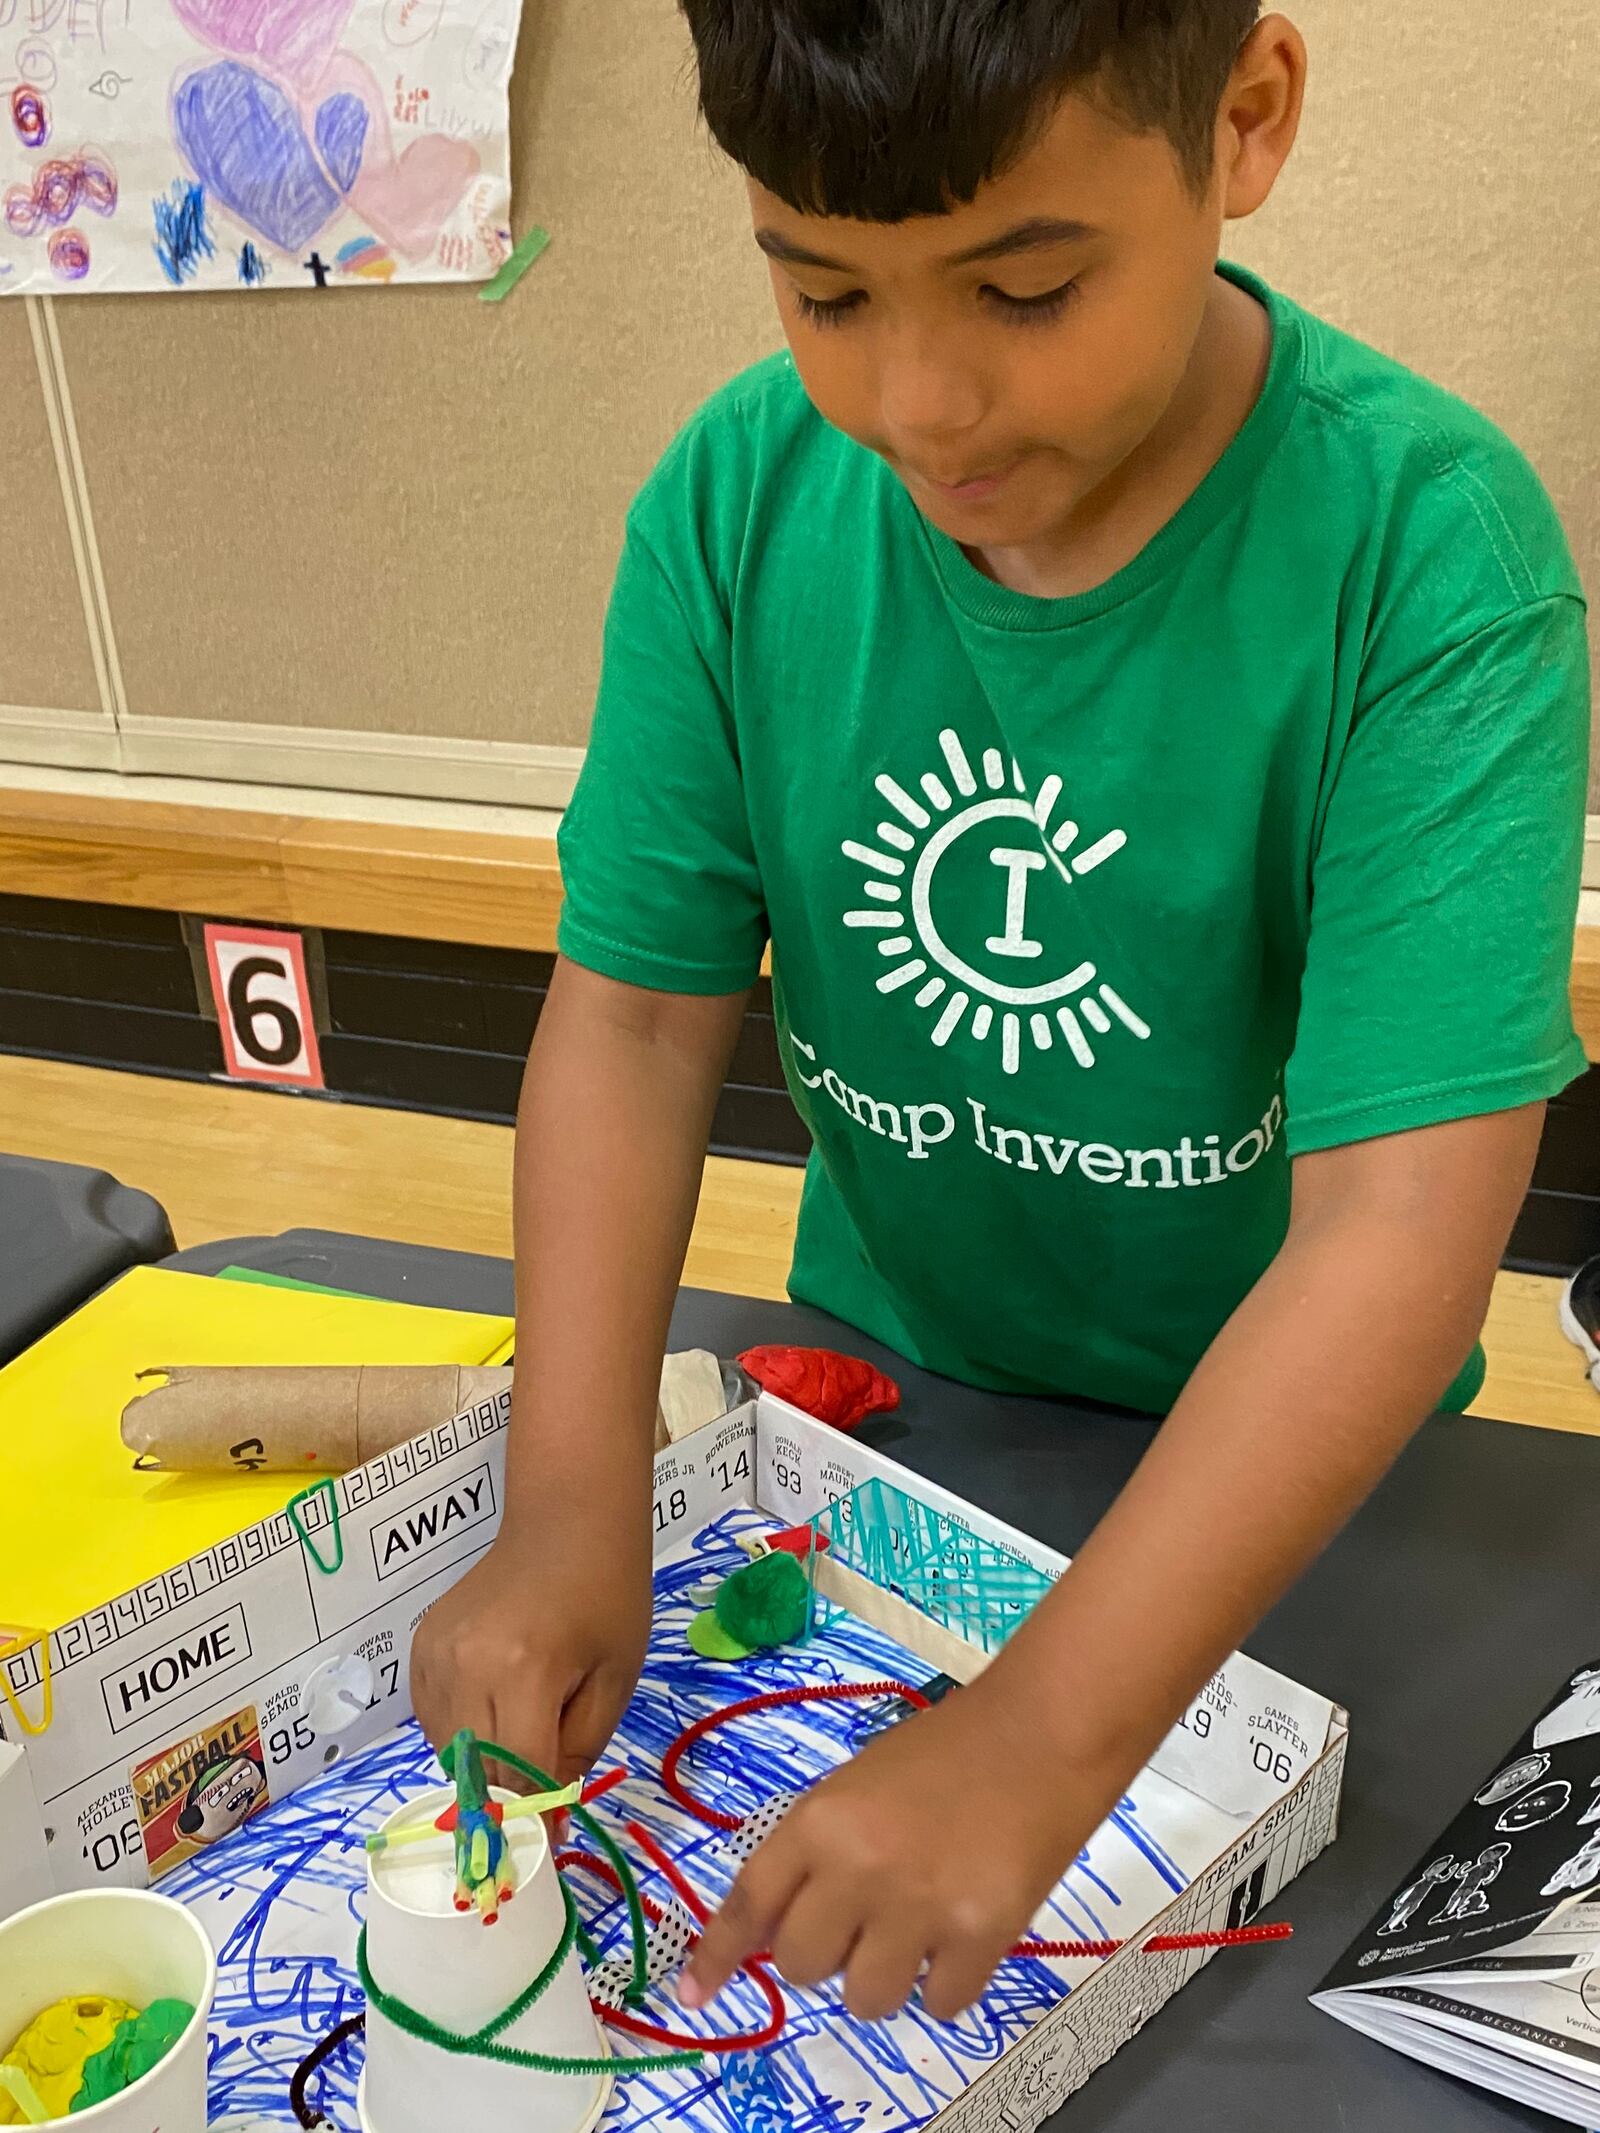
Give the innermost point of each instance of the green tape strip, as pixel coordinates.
(493, 292)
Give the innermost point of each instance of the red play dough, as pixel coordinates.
(840, 1389)
(798, 1541)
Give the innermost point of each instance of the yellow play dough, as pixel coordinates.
(52, 2049)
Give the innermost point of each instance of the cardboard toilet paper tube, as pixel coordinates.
(324, 1421)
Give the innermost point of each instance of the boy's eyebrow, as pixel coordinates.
(1034, 235)
(776, 246)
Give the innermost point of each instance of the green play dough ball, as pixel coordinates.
(139, 2044)
(767, 1602)
(708, 1637)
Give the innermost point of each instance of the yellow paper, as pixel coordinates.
(77, 1526)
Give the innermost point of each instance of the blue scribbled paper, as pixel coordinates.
(282, 1899)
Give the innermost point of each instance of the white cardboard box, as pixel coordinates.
(241, 1628)
(25, 1876)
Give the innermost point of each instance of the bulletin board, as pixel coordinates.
(363, 538)
(392, 515)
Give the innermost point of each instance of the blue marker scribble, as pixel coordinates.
(253, 268)
(182, 239)
(282, 1900)
(751, 2093)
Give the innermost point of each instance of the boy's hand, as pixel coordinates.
(539, 1646)
(881, 1869)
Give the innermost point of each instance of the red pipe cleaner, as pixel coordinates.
(663, 1865)
(772, 1699)
(679, 2040)
(598, 1787)
(1163, 1943)
(841, 1691)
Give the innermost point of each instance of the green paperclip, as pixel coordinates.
(292, 1508)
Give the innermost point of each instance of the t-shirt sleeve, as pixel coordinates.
(1445, 887)
(660, 880)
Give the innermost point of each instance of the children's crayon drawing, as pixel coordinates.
(250, 144)
(283, 1897)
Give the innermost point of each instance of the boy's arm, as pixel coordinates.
(611, 1137)
(1303, 1402)
(539, 1646)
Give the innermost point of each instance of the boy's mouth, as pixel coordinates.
(968, 488)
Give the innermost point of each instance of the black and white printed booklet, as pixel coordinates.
(1485, 1962)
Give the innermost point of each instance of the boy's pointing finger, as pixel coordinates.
(747, 1921)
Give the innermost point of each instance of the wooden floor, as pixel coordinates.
(232, 1162)
(228, 1162)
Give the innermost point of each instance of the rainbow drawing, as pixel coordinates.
(365, 257)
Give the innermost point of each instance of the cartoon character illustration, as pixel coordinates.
(1577, 1717)
(1471, 1897)
(1581, 1871)
(1536, 1807)
(1410, 1900)
(222, 1800)
(1515, 1778)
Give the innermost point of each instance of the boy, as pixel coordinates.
(1152, 728)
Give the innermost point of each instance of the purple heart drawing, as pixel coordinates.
(249, 149)
(407, 199)
(295, 37)
(341, 129)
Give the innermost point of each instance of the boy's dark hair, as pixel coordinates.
(883, 109)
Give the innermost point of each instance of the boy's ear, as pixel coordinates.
(1260, 115)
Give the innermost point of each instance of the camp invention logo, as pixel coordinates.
(973, 888)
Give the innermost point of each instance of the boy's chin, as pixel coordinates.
(999, 521)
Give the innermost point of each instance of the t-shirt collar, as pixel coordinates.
(1222, 491)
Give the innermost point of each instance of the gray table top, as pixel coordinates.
(65, 1231)
(1452, 1607)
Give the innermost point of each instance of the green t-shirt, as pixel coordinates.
(1088, 914)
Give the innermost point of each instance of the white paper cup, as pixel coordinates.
(460, 1974)
(129, 1945)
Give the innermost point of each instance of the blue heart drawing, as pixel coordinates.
(247, 145)
(341, 135)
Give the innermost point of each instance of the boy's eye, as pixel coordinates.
(1033, 310)
(829, 311)
(1040, 310)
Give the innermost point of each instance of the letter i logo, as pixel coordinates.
(966, 888)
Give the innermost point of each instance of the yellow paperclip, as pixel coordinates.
(13, 1643)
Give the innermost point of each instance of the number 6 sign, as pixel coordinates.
(258, 980)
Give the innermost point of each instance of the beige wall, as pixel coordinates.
(1444, 203)
(44, 644)
(335, 529)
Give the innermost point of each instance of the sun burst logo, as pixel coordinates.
(948, 884)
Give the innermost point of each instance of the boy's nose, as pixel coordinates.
(926, 399)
